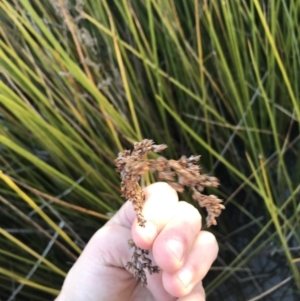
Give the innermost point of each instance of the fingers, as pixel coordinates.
(173, 244)
(172, 230)
(159, 207)
(197, 293)
(158, 210)
(155, 286)
(198, 262)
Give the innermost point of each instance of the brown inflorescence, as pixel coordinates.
(140, 262)
(178, 174)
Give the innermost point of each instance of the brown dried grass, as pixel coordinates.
(178, 174)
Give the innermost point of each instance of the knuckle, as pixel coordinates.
(189, 210)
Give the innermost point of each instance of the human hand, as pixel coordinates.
(183, 253)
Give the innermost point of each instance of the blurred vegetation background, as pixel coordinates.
(82, 80)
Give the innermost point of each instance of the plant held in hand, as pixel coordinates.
(178, 174)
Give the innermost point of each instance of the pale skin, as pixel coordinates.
(183, 252)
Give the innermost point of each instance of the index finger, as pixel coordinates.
(159, 208)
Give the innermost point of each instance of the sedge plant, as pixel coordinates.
(82, 80)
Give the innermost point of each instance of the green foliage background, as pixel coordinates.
(81, 80)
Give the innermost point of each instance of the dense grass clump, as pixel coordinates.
(82, 80)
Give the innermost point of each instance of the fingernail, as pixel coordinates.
(185, 276)
(175, 247)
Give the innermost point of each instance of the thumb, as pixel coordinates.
(99, 267)
(108, 245)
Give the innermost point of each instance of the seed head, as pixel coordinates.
(178, 174)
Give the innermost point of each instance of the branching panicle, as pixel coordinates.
(140, 262)
(178, 174)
